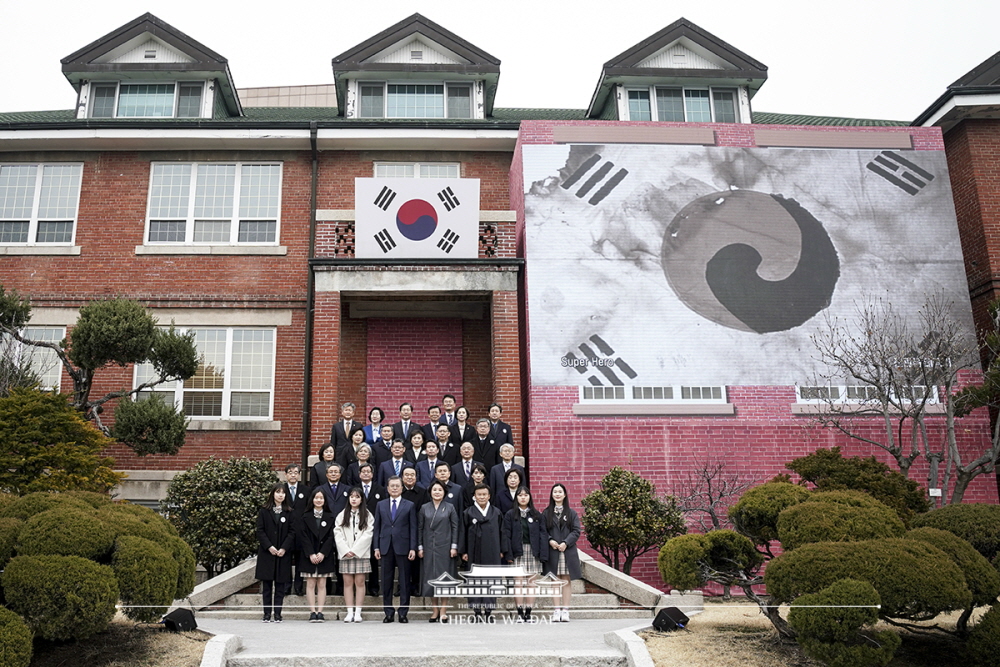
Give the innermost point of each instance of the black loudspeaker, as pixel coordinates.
(670, 618)
(180, 620)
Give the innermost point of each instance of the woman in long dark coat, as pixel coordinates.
(437, 539)
(525, 542)
(481, 543)
(276, 534)
(563, 524)
(316, 544)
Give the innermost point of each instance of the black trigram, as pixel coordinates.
(448, 198)
(899, 171)
(604, 363)
(385, 198)
(594, 179)
(385, 241)
(448, 241)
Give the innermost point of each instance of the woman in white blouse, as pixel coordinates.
(353, 535)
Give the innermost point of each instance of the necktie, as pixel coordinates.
(451, 420)
(347, 429)
(393, 509)
(366, 490)
(291, 492)
(468, 469)
(397, 468)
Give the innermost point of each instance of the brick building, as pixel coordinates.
(239, 214)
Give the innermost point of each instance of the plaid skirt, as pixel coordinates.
(561, 567)
(313, 575)
(355, 566)
(528, 561)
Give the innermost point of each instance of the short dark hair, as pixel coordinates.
(442, 464)
(403, 405)
(495, 405)
(293, 466)
(433, 407)
(366, 465)
(482, 486)
(451, 396)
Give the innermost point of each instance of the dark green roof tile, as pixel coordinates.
(765, 118)
(538, 114)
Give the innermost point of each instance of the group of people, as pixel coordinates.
(410, 508)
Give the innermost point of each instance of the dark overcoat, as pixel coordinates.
(316, 539)
(278, 531)
(482, 535)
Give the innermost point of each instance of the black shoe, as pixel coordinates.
(403, 619)
(312, 617)
(319, 617)
(267, 618)
(432, 620)
(300, 590)
(277, 617)
(388, 619)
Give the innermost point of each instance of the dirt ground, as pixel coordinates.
(736, 634)
(126, 644)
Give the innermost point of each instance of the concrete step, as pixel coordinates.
(254, 600)
(567, 658)
(374, 614)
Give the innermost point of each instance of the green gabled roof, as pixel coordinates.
(59, 116)
(539, 114)
(766, 118)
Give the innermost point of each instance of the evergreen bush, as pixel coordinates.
(812, 521)
(66, 531)
(147, 577)
(983, 580)
(755, 514)
(984, 641)
(15, 640)
(977, 524)
(28, 506)
(9, 530)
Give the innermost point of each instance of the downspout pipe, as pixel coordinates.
(310, 303)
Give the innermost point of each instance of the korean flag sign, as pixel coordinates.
(416, 218)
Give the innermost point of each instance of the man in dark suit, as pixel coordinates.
(395, 543)
(430, 429)
(449, 404)
(335, 492)
(382, 449)
(297, 493)
(461, 472)
(499, 471)
(425, 466)
(373, 495)
(447, 450)
(487, 449)
(499, 430)
(412, 491)
(394, 466)
(404, 428)
(340, 434)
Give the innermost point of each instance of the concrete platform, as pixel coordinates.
(580, 643)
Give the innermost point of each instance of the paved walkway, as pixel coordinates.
(300, 643)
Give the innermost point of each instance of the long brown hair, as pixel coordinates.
(362, 510)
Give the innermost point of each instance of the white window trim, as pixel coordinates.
(842, 403)
(628, 405)
(227, 391)
(416, 168)
(654, 115)
(471, 85)
(203, 112)
(42, 248)
(189, 246)
(24, 349)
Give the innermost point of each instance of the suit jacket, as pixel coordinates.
(398, 434)
(496, 481)
(501, 432)
(336, 499)
(388, 469)
(469, 434)
(430, 431)
(503, 501)
(425, 473)
(346, 455)
(352, 476)
(371, 436)
(399, 535)
(455, 496)
(302, 500)
(337, 435)
(381, 452)
(375, 494)
(417, 495)
(413, 458)
(487, 451)
(458, 472)
(449, 453)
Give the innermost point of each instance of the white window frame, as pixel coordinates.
(94, 85)
(37, 356)
(653, 111)
(177, 387)
(234, 219)
(637, 394)
(446, 86)
(417, 166)
(849, 395)
(34, 218)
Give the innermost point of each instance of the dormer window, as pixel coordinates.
(146, 100)
(692, 105)
(408, 100)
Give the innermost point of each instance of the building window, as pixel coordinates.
(653, 394)
(38, 203)
(202, 203)
(234, 380)
(862, 394)
(417, 170)
(146, 100)
(692, 105)
(43, 361)
(415, 100)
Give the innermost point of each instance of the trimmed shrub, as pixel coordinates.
(811, 522)
(756, 513)
(689, 561)
(28, 506)
(66, 531)
(977, 524)
(6, 500)
(186, 566)
(147, 577)
(9, 530)
(678, 561)
(15, 640)
(982, 579)
(61, 597)
(915, 580)
(984, 640)
(92, 498)
(829, 625)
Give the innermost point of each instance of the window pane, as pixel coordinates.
(459, 102)
(415, 101)
(44, 361)
(243, 404)
(146, 100)
(17, 191)
(166, 231)
(439, 171)
(696, 105)
(252, 352)
(214, 191)
(211, 345)
(394, 170)
(372, 101)
(669, 105)
(258, 231)
(211, 231)
(102, 104)
(189, 100)
(203, 404)
(725, 106)
(60, 190)
(55, 232)
(259, 191)
(638, 105)
(13, 232)
(169, 191)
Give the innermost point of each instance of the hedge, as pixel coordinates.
(147, 577)
(9, 530)
(28, 506)
(984, 640)
(755, 514)
(978, 524)
(810, 522)
(15, 640)
(982, 579)
(66, 531)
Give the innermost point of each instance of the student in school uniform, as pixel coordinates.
(563, 524)
(525, 542)
(499, 471)
(316, 546)
(353, 533)
(482, 526)
(276, 535)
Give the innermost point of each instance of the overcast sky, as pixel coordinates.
(886, 59)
